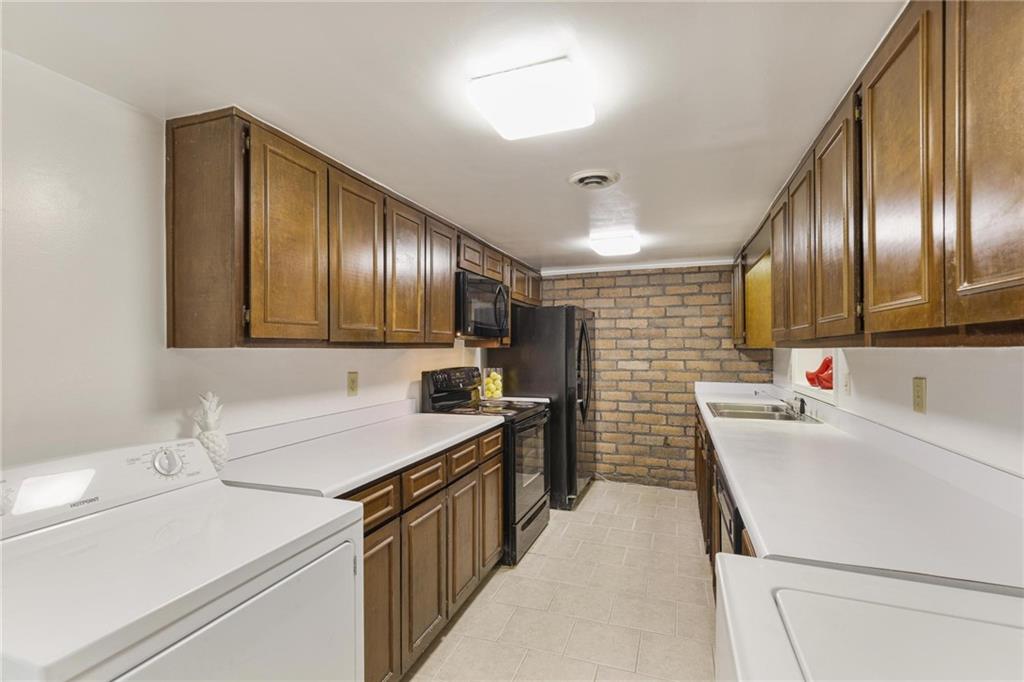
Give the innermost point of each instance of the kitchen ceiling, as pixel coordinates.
(704, 109)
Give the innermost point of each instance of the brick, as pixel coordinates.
(657, 332)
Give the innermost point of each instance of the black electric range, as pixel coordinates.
(456, 390)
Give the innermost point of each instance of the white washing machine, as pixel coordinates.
(778, 620)
(138, 563)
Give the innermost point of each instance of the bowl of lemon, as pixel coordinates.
(492, 388)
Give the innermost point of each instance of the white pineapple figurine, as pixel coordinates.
(207, 418)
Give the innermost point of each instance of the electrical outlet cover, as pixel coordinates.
(353, 383)
(920, 394)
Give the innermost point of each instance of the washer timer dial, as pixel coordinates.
(167, 462)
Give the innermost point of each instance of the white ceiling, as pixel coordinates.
(703, 108)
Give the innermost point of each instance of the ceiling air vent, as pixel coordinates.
(594, 179)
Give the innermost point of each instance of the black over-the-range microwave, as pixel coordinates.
(481, 306)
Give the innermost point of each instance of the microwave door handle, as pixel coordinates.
(500, 307)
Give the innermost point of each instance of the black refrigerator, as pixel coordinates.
(552, 356)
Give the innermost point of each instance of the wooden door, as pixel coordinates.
(777, 220)
(463, 540)
(902, 153)
(506, 271)
(442, 247)
(287, 240)
(801, 253)
(492, 512)
(739, 319)
(357, 260)
(406, 289)
(837, 225)
(534, 294)
(424, 575)
(520, 283)
(492, 264)
(382, 597)
(984, 162)
(471, 255)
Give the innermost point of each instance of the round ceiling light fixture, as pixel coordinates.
(597, 178)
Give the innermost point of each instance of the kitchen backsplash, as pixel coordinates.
(973, 401)
(658, 331)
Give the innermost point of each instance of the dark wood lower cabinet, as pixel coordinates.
(382, 599)
(422, 563)
(463, 540)
(492, 512)
(424, 576)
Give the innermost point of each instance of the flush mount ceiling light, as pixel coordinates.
(537, 99)
(615, 241)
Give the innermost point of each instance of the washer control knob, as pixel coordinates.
(167, 462)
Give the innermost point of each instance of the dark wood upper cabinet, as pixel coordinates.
(288, 240)
(493, 264)
(382, 604)
(471, 254)
(778, 223)
(801, 253)
(464, 565)
(506, 271)
(902, 185)
(424, 576)
(357, 260)
(837, 225)
(525, 284)
(739, 320)
(406, 273)
(442, 247)
(984, 162)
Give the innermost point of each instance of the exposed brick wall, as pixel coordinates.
(658, 332)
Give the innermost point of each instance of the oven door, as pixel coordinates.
(530, 463)
(482, 306)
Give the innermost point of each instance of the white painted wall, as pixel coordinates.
(84, 360)
(975, 400)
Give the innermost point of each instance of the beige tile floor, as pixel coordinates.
(619, 589)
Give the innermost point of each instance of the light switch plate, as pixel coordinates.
(920, 394)
(353, 383)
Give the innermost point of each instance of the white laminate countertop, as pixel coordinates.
(342, 462)
(812, 492)
(783, 621)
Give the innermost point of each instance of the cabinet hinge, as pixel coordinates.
(857, 113)
(246, 316)
(246, 140)
(355, 566)
(860, 310)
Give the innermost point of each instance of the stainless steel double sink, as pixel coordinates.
(766, 412)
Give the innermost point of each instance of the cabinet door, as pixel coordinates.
(357, 260)
(492, 264)
(463, 540)
(520, 283)
(739, 320)
(382, 598)
(287, 240)
(984, 162)
(780, 269)
(837, 226)
(801, 253)
(471, 255)
(533, 287)
(506, 271)
(902, 152)
(406, 234)
(492, 512)
(442, 244)
(424, 576)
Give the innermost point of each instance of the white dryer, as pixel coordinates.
(778, 620)
(139, 563)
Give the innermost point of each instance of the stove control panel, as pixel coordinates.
(455, 379)
(55, 491)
